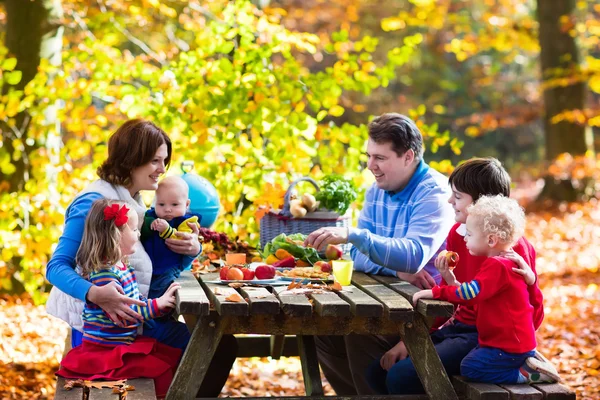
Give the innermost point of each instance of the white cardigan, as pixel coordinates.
(70, 309)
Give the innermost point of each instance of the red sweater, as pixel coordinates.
(504, 314)
(467, 268)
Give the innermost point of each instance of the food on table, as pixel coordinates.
(333, 252)
(223, 273)
(307, 272)
(235, 274)
(281, 254)
(323, 266)
(293, 244)
(271, 259)
(248, 274)
(265, 272)
(289, 262)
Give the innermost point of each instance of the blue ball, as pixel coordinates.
(204, 199)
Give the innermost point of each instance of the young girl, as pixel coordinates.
(110, 351)
(505, 320)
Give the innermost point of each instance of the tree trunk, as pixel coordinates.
(559, 53)
(33, 33)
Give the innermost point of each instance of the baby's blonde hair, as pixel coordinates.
(99, 247)
(500, 216)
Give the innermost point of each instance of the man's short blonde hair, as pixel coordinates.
(500, 216)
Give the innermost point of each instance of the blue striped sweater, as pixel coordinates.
(97, 326)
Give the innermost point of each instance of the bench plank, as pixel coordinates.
(293, 304)
(522, 392)
(63, 394)
(427, 307)
(555, 391)
(222, 306)
(330, 305)
(395, 307)
(191, 299)
(144, 389)
(103, 394)
(260, 300)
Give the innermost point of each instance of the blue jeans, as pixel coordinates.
(492, 365)
(160, 283)
(452, 343)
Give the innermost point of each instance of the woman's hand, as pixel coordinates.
(524, 269)
(168, 300)
(186, 244)
(423, 294)
(421, 279)
(113, 301)
(392, 356)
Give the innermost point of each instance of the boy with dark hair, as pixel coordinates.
(395, 373)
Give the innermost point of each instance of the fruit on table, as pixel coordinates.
(271, 259)
(223, 273)
(235, 274)
(265, 272)
(302, 263)
(248, 274)
(288, 262)
(323, 266)
(281, 254)
(333, 252)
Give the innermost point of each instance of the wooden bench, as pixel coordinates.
(144, 390)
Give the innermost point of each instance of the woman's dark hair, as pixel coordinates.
(400, 131)
(481, 177)
(134, 144)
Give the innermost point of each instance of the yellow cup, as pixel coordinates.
(342, 271)
(235, 258)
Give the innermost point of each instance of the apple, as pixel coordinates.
(248, 274)
(323, 266)
(333, 252)
(235, 274)
(223, 273)
(265, 272)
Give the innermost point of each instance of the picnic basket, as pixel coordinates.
(276, 222)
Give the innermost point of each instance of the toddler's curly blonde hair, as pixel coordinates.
(500, 216)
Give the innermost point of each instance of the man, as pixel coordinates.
(402, 226)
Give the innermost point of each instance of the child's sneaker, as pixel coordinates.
(536, 370)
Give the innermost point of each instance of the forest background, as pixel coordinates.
(240, 85)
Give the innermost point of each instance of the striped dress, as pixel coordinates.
(111, 352)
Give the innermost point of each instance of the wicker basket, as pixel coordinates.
(277, 222)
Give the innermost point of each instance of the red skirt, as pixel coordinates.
(144, 358)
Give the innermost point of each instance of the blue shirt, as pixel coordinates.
(403, 231)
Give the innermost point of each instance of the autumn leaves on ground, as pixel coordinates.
(568, 260)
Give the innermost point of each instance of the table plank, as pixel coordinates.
(293, 304)
(62, 394)
(426, 307)
(260, 300)
(396, 307)
(330, 305)
(361, 304)
(218, 293)
(191, 299)
(144, 389)
(522, 392)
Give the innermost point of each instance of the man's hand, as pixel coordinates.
(423, 294)
(113, 302)
(159, 225)
(523, 268)
(392, 356)
(186, 244)
(421, 279)
(320, 238)
(168, 300)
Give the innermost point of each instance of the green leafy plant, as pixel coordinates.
(336, 194)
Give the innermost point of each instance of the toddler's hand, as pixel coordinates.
(392, 356)
(159, 225)
(167, 300)
(423, 294)
(441, 263)
(523, 268)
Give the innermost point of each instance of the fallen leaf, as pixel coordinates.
(234, 297)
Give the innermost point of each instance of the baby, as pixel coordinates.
(163, 222)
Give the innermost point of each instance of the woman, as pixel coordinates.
(138, 154)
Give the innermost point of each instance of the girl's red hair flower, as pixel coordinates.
(119, 214)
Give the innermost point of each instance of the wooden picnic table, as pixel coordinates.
(371, 305)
